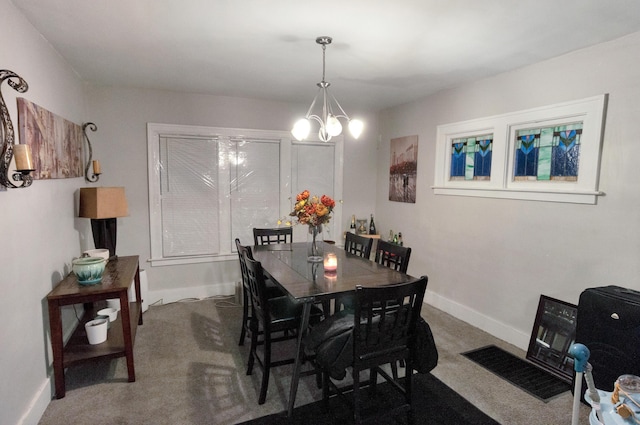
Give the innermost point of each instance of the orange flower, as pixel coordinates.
(321, 210)
(328, 202)
(303, 195)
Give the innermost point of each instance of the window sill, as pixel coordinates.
(573, 197)
(156, 262)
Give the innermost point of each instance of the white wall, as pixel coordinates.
(120, 143)
(489, 260)
(38, 230)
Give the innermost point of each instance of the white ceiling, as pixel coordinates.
(384, 52)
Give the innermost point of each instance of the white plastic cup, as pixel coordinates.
(96, 331)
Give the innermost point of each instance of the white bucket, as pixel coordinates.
(96, 331)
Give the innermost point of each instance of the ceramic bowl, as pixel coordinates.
(88, 270)
(100, 253)
(111, 313)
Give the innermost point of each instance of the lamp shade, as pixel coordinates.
(103, 202)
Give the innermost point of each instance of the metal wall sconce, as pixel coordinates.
(96, 164)
(23, 158)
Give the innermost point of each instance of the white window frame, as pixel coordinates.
(287, 176)
(589, 111)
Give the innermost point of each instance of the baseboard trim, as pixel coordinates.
(38, 404)
(166, 296)
(479, 320)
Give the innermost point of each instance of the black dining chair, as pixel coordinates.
(272, 236)
(272, 291)
(393, 256)
(358, 245)
(383, 330)
(275, 319)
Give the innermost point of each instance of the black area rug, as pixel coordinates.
(433, 403)
(535, 381)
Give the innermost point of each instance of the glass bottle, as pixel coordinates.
(400, 238)
(352, 227)
(390, 236)
(372, 226)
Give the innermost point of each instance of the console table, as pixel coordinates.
(118, 276)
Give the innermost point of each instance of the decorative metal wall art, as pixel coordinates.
(96, 164)
(7, 141)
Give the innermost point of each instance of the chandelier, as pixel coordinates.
(330, 111)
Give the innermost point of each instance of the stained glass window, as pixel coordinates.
(471, 158)
(548, 153)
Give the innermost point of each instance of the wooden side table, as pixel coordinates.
(118, 276)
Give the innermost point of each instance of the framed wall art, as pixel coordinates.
(56, 143)
(403, 168)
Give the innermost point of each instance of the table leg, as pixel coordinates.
(57, 348)
(139, 299)
(304, 323)
(125, 318)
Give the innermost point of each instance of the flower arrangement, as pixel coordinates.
(312, 210)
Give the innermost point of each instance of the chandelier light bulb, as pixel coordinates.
(355, 128)
(301, 129)
(333, 125)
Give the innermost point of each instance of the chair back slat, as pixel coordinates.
(255, 283)
(393, 256)
(385, 321)
(272, 236)
(358, 245)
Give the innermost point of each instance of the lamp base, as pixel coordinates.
(104, 234)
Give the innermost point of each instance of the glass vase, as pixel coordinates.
(315, 244)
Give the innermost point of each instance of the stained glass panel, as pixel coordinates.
(471, 158)
(458, 159)
(548, 153)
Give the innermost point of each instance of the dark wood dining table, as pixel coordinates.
(309, 283)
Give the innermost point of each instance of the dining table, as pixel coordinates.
(308, 282)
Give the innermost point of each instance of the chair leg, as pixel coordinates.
(254, 344)
(356, 397)
(245, 316)
(325, 388)
(265, 371)
(408, 388)
(373, 380)
(394, 370)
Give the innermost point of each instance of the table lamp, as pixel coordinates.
(102, 205)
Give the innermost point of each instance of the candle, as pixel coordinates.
(22, 154)
(96, 167)
(330, 263)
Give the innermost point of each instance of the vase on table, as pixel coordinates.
(315, 244)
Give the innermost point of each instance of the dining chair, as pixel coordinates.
(393, 256)
(278, 319)
(383, 331)
(272, 291)
(358, 245)
(272, 236)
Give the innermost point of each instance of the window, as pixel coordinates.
(546, 154)
(208, 186)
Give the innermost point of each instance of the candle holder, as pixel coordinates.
(330, 263)
(95, 176)
(7, 143)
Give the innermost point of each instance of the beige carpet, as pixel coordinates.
(190, 370)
